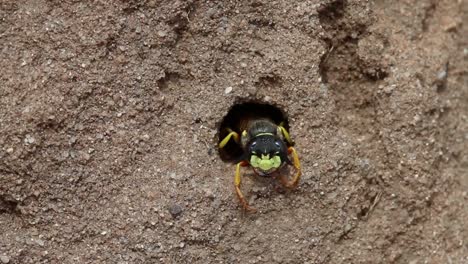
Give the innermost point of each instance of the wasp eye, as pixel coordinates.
(254, 143)
(277, 143)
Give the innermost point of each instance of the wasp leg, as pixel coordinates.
(232, 134)
(286, 134)
(237, 183)
(297, 165)
(284, 181)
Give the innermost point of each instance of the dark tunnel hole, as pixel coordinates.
(8, 205)
(240, 113)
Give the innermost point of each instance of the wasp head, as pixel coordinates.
(267, 154)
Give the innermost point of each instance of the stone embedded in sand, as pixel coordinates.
(29, 139)
(175, 210)
(228, 90)
(4, 259)
(40, 242)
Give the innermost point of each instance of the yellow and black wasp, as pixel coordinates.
(256, 135)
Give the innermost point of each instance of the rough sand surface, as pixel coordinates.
(109, 114)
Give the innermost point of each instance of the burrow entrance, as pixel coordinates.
(239, 113)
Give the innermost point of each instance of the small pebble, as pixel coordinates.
(442, 75)
(348, 227)
(236, 247)
(65, 154)
(72, 140)
(86, 156)
(228, 90)
(389, 89)
(40, 242)
(5, 259)
(175, 210)
(173, 176)
(29, 139)
(278, 259)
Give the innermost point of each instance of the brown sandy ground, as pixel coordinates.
(109, 114)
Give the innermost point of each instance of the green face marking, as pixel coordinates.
(265, 163)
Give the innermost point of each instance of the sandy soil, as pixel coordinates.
(109, 115)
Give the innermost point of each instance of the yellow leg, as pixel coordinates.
(286, 134)
(237, 183)
(297, 165)
(228, 137)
